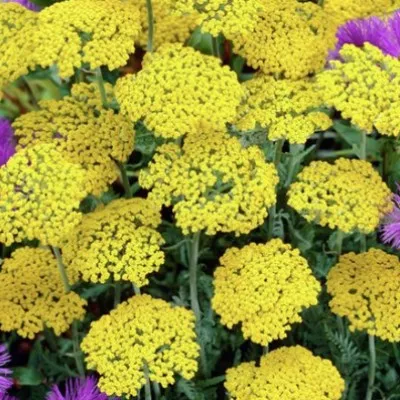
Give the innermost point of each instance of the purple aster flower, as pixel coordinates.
(78, 389)
(7, 397)
(370, 30)
(25, 3)
(391, 224)
(5, 373)
(7, 146)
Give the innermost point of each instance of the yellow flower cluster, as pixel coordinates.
(288, 373)
(94, 32)
(364, 86)
(91, 136)
(32, 295)
(229, 17)
(344, 10)
(16, 24)
(213, 182)
(40, 193)
(347, 195)
(168, 26)
(141, 333)
(178, 90)
(365, 289)
(263, 287)
(290, 39)
(288, 109)
(112, 243)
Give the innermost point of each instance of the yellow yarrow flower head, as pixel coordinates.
(263, 287)
(365, 289)
(178, 90)
(141, 333)
(16, 24)
(169, 27)
(348, 195)
(32, 295)
(213, 183)
(345, 10)
(40, 193)
(365, 87)
(229, 17)
(289, 373)
(98, 33)
(287, 109)
(290, 39)
(113, 243)
(92, 136)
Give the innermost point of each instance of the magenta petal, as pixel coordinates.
(76, 389)
(25, 3)
(7, 145)
(5, 373)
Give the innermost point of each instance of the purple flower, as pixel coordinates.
(78, 389)
(25, 3)
(5, 373)
(7, 146)
(370, 30)
(391, 224)
(7, 397)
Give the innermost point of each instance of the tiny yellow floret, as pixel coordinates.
(288, 373)
(263, 287)
(142, 333)
(348, 195)
(365, 288)
(32, 295)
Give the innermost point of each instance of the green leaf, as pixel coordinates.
(27, 376)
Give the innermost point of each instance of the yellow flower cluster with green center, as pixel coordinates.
(112, 243)
(40, 193)
(32, 295)
(365, 289)
(72, 33)
(290, 39)
(141, 334)
(169, 27)
(288, 373)
(288, 109)
(364, 86)
(263, 287)
(344, 10)
(229, 17)
(213, 183)
(84, 134)
(16, 24)
(178, 90)
(348, 195)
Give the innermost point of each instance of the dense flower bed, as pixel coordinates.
(198, 199)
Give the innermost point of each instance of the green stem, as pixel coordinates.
(334, 154)
(136, 289)
(51, 339)
(265, 350)
(363, 149)
(215, 47)
(102, 89)
(150, 21)
(278, 151)
(117, 293)
(147, 386)
(61, 269)
(77, 352)
(157, 390)
(339, 243)
(194, 300)
(372, 367)
(125, 180)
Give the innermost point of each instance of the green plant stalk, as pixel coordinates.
(124, 180)
(102, 89)
(117, 293)
(136, 289)
(363, 147)
(150, 21)
(50, 339)
(67, 287)
(156, 390)
(339, 243)
(194, 300)
(147, 386)
(272, 211)
(372, 367)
